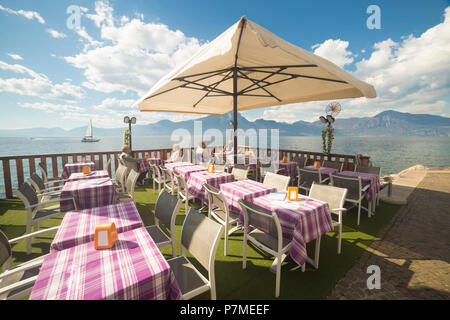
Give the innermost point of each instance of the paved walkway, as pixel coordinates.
(413, 252)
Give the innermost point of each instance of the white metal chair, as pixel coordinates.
(166, 209)
(335, 197)
(130, 185)
(36, 210)
(240, 174)
(266, 235)
(355, 193)
(17, 282)
(183, 190)
(157, 177)
(43, 191)
(45, 177)
(218, 208)
(307, 177)
(169, 180)
(200, 236)
(119, 181)
(277, 181)
(333, 164)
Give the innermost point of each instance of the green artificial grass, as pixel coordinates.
(233, 282)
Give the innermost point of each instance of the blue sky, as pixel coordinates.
(52, 76)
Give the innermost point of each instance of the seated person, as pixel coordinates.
(127, 159)
(201, 154)
(176, 155)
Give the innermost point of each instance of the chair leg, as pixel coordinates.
(244, 253)
(28, 230)
(340, 239)
(225, 249)
(277, 286)
(317, 253)
(359, 212)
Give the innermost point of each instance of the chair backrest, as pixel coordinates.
(352, 184)
(166, 208)
(182, 185)
(307, 177)
(37, 182)
(120, 175)
(27, 194)
(43, 171)
(239, 174)
(5, 250)
(168, 175)
(200, 236)
(131, 182)
(334, 196)
(333, 164)
(262, 219)
(277, 181)
(216, 199)
(300, 161)
(363, 169)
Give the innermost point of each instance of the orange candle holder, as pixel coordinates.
(292, 194)
(86, 170)
(211, 168)
(105, 235)
(317, 164)
(285, 160)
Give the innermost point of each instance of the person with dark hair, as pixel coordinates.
(127, 159)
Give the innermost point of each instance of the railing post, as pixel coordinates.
(19, 170)
(7, 179)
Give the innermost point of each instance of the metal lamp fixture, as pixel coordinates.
(130, 121)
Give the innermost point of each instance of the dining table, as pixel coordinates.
(301, 222)
(324, 171)
(133, 269)
(243, 189)
(78, 226)
(185, 171)
(76, 176)
(366, 179)
(70, 168)
(172, 165)
(198, 179)
(290, 169)
(87, 194)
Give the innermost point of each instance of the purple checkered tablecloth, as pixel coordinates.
(134, 269)
(300, 223)
(186, 171)
(143, 166)
(366, 178)
(93, 175)
(172, 165)
(78, 227)
(88, 194)
(198, 179)
(324, 171)
(244, 189)
(70, 168)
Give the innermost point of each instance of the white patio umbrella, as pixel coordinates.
(248, 67)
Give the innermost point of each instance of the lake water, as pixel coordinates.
(392, 154)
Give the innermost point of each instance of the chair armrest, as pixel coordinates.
(324, 180)
(50, 193)
(18, 285)
(338, 209)
(54, 188)
(33, 234)
(56, 181)
(365, 188)
(40, 204)
(24, 267)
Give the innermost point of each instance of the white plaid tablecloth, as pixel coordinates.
(186, 171)
(70, 168)
(244, 189)
(299, 223)
(78, 227)
(88, 195)
(134, 269)
(198, 179)
(93, 175)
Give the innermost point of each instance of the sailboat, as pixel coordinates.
(88, 135)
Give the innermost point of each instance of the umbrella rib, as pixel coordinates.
(214, 86)
(294, 75)
(261, 80)
(257, 84)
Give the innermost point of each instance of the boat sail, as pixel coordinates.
(88, 137)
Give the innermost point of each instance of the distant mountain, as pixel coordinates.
(387, 123)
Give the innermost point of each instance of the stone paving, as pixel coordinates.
(413, 251)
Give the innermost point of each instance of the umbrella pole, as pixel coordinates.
(235, 122)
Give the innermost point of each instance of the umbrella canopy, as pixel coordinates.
(248, 67)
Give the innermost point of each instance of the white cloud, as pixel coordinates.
(335, 51)
(15, 56)
(37, 85)
(132, 55)
(56, 34)
(52, 108)
(30, 15)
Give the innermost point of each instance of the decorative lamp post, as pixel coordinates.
(130, 121)
(332, 111)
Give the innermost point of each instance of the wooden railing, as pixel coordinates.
(15, 169)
